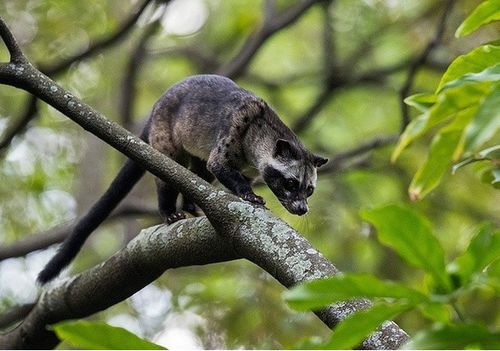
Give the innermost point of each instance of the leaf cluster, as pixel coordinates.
(411, 236)
(465, 109)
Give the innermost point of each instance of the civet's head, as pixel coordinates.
(291, 174)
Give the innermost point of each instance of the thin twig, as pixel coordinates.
(134, 64)
(19, 125)
(235, 67)
(419, 61)
(97, 45)
(55, 235)
(16, 55)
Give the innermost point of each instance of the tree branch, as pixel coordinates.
(56, 68)
(56, 235)
(269, 243)
(16, 314)
(135, 62)
(419, 61)
(97, 45)
(244, 230)
(272, 24)
(31, 109)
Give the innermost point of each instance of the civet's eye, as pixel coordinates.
(291, 184)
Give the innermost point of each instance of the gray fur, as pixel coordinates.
(212, 118)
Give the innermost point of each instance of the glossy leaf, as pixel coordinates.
(490, 74)
(483, 249)
(450, 337)
(100, 336)
(444, 147)
(488, 11)
(449, 103)
(321, 292)
(355, 328)
(474, 61)
(421, 101)
(486, 123)
(410, 235)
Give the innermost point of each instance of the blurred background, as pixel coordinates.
(335, 72)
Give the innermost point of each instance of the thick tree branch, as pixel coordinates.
(272, 24)
(247, 230)
(56, 235)
(419, 61)
(269, 242)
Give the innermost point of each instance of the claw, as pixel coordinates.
(174, 217)
(255, 199)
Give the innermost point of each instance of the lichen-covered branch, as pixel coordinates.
(264, 240)
(244, 230)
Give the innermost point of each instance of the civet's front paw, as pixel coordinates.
(255, 199)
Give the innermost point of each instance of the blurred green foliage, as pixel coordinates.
(55, 170)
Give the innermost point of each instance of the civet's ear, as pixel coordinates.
(285, 149)
(319, 161)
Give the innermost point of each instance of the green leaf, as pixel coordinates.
(483, 249)
(100, 336)
(355, 328)
(449, 103)
(488, 11)
(438, 312)
(490, 74)
(321, 292)
(410, 235)
(486, 123)
(413, 130)
(422, 101)
(444, 147)
(492, 176)
(474, 61)
(463, 336)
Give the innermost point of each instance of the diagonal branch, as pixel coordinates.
(272, 24)
(188, 242)
(55, 235)
(419, 61)
(16, 55)
(54, 69)
(31, 110)
(240, 229)
(97, 45)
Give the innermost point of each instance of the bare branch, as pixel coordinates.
(31, 109)
(97, 45)
(235, 67)
(135, 63)
(419, 61)
(338, 161)
(16, 55)
(56, 235)
(57, 68)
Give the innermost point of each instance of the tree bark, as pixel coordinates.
(234, 229)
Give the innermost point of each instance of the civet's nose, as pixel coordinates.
(301, 209)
